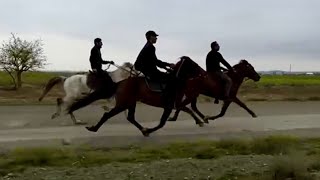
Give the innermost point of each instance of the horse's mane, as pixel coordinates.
(127, 64)
(242, 61)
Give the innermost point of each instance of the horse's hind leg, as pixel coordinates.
(76, 121)
(58, 112)
(131, 119)
(107, 115)
(66, 101)
(190, 112)
(195, 109)
(166, 113)
(222, 113)
(175, 116)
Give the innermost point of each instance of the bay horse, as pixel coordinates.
(242, 70)
(134, 89)
(79, 85)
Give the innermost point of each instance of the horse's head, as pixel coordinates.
(186, 68)
(245, 69)
(124, 71)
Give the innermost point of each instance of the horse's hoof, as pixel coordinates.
(201, 124)
(55, 115)
(206, 119)
(145, 132)
(92, 129)
(172, 119)
(254, 116)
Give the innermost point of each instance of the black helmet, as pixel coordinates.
(151, 33)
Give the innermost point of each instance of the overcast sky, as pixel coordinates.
(270, 34)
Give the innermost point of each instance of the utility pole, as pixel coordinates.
(290, 68)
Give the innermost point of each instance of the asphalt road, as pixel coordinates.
(32, 125)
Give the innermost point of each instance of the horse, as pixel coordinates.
(79, 85)
(129, 91)
(242, 70)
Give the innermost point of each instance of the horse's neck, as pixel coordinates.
(237, 79)
(121, 74)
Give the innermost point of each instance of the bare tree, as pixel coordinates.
(18, 56)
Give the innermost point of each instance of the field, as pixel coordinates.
(269, 88)
(273, 157)
(281, 102)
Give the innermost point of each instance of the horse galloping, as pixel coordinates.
(135, 89)
(242, 70)
(79, 85)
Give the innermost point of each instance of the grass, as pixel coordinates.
(273, 157)
(32, 78)
(291, 80)
(269, 88)
(39, 78)
(20, 159)
(294, 165)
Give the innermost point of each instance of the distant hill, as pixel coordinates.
(280, 72)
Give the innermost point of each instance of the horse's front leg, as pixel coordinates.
(222, 112)
(241, 104)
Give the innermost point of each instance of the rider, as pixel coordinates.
(147, 62)
(213, 60)
(96, 62)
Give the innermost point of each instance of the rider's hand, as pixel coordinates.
(172, 66)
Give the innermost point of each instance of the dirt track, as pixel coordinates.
(31, 125)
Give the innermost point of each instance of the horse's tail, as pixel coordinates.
(52, 82)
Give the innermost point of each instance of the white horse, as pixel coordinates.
(76, 87)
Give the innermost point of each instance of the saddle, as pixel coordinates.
(98, 81)
(155, 85)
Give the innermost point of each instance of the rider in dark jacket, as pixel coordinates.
(213, 60)
(96, 62)
(147, 62)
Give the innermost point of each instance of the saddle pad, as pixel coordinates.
(155, 86)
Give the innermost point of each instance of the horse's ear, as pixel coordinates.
(185, 58)
(243, 61)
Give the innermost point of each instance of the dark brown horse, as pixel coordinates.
(189, 74)
(242, 70)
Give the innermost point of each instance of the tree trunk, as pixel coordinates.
(13, 79)
(19, 81)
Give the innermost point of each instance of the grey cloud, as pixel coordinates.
(243, 28)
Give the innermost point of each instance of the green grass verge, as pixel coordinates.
(269, 88)
(38, 78)
(21, 158)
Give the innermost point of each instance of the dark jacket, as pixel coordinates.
(96, 60)
(147, 61)
(213, 61)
